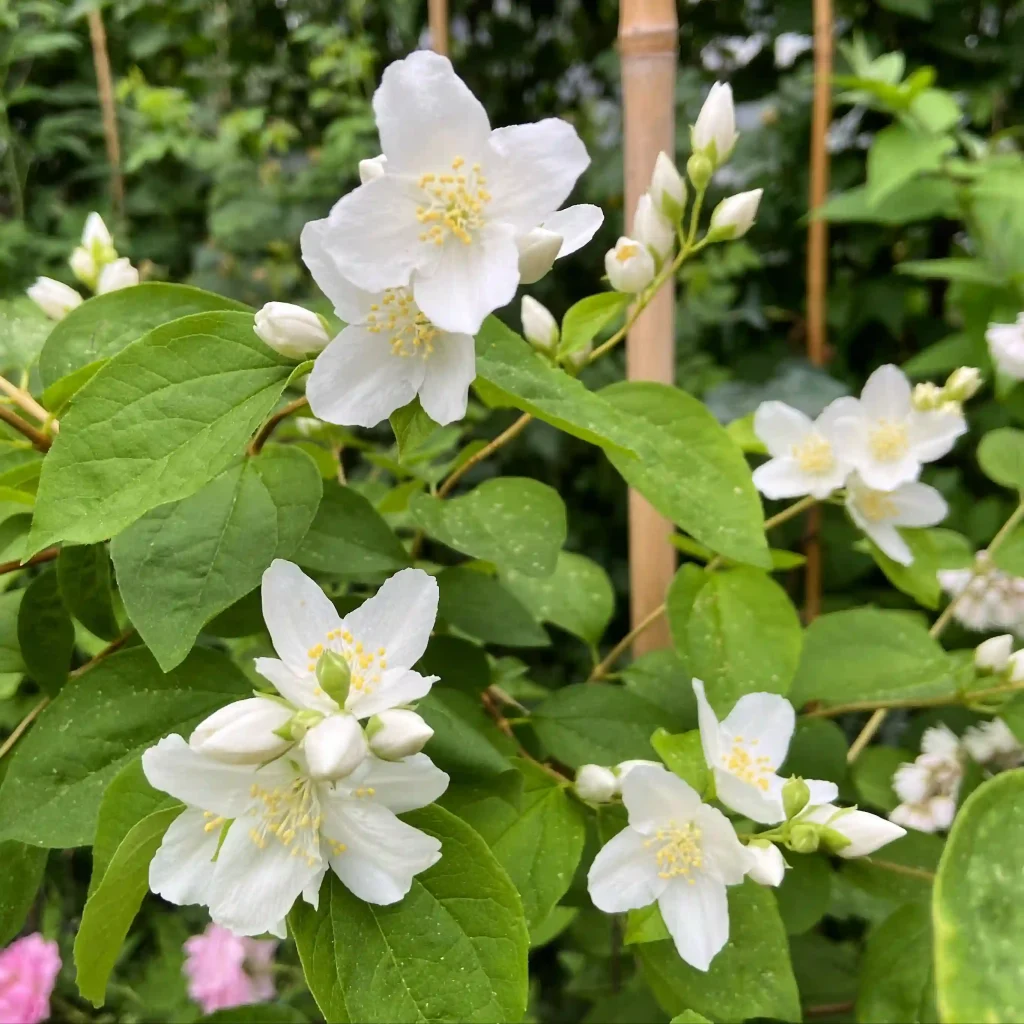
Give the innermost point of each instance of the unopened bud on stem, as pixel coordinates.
(397, 733)
(795, 794)
(334, 676)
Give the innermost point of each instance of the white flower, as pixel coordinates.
(963, 383)
(992, 741)
(805, 458)
(291, 330)
(559, 235)
(54, 298)
(934, 814)
(993, 599)
(83, 266)
(387, 355)
(243, 732)
(940, 741)
(398, 733)
(675, 851)
(789, 46)
(887, 439)
(652, 228)
(335, 747)
(1006, 343)
(370, 170)
(994, 654)
(745, 750)
(629, 266)
(714, 132)
(668, 189)
(117, 275)
(767, 866)
(283, 830)
(734, 217)
(879, 513)
(540, 328)
(443, 218)
(623, 768)
(866, 832)
(929, 786)
(596, 784)
(97, 239)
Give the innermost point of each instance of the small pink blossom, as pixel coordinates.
(28, 969)
(226, 970)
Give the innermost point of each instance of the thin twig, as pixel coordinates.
(16, 734)
(477, 457)
(21, 397)
(46, 555)
(602, 668)
(261, 438)
(947, 700)
(491, 707)
(827, 1009)
(900, 869)
(105, 89)
(39, 440)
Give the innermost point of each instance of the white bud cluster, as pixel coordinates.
(599, 785)
(929, 786)
(987, 599)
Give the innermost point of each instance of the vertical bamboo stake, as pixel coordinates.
(648, 42)
(437, 19)
(105, 88)
(817, 261)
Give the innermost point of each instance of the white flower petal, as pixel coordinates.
(182, 869)
(426, 116)
(767, 866)
(399, 617)
(780, 427)
(762, 806)
(469, 281)
(576, 224)
(624, 875)
(889, 541)
(710, 730)
(311, 891)
(918, 505)
(448, 373)
(358, 381)
(383, 854)
(401, 786)
(866, 832)
(535, 168)
(783, 478)
(725, 857)
(765, 723)
(886, 394)
(697, 917)
(933, 434)
(839, 408)
(352, 304)
(397, 686)
(821, 791)
(887, 476)
(298, 614)
(653, 795)
(302, 691)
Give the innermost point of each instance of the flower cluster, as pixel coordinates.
(95, 263)
(928, 787)
(226, 970)
(986, 598)
(28, 970)
(874, 446)
(682, 853)
(280, 787)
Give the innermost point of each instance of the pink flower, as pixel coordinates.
(28, 969)
(225, 970)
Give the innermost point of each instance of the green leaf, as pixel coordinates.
(19, 882)
(1001, 457)
(872, 776)
(86, 587)
(896, 985)
(104, 325)
(169, 413)
(535, 830)
(412, 427)
(466, 743)
(10, 650)
(661, 678)
(932, 550)
(184, 562)
(479, 605)
(684, 756)
(514, 522)
(804, 894)
(596, 723)
(689, 1017)
(46, 634)
(742, 636)
(750, 977)
(585, 319)
(261, 1013)
(955, 268)
(689, 469)
(349, 537)
(817, 751)
(56, 397)
(913, 201)
(460, 664)
(868, 654)
(978, 907)
(52, 793)
(917, 850)
(454, 949)
(898, 154)
(578, 597)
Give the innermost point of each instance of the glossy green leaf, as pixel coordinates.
(1001, 457)
(479, 605)
(932, 550)
(460, 664)
(261, 1013)
(87, 589)
(899, 154)
(684, 756)
(10, 650)
(584, 320)
(466, 742)
(804, 893)
(46, 634)
(872, 776)
(817, 751)
(897, 985)
(662, 678)
(20, 879)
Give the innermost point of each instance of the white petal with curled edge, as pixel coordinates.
(653, 796)
(401, 786)
(918, 505)
(576, 224)
(447, 374)
(780, 427)
(765, 722)
(397, 686)
(624, 875)
(886, 394)
(302, 691)
(697, 918)
(182, 869)
(352, 304)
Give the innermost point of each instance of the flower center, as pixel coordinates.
(454, 203)
(814, 454)
(624, 253)
(741, 762)
(289, 815)
(679, 852)
(397, 315)
(875, 506)
(365, 666)
(889, 441)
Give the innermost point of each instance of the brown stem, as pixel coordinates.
(105, 89)
(20, 728)
(827, 1009)
(947, 700)
(603, 668)
(900, 869)
(261, 438)
(21, 397)
(490, 704)
(39, 440)
(502, 439)
(46, 555)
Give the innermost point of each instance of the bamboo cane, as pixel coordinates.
(437, 19)
(105, 88)
(648, 43)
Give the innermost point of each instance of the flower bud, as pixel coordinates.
(699, 168)
(734, 217)
(853, 833)
(668, 190)
(370, 170)
(803, 838)
(83, 266)
(630, 267)
(714, 132)
(335, 747)
(538, 250)
(117, 275)
(652, 228)
(54, 298)
(246, 732)
(927, 396)
(299, 724)
(963, 383)
(767, 866)
(96, 239)
(539, 326)
(795, 794)
(623, 768)
(1015, 664)
(397, 733)
(596, 784)
(291, 330)
(334, 676)
(578, 357)
(994, 654)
